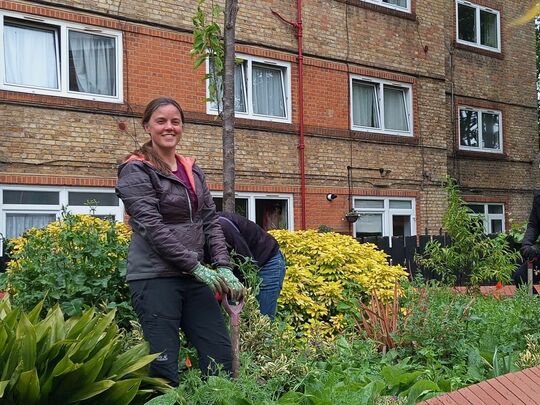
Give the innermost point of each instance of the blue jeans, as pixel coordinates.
(272, 275)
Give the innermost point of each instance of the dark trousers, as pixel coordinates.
(165, 305)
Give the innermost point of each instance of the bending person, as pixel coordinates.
(172, 214)
(248, 239)
(529, 249)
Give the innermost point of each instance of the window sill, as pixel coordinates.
(409, 15)
(385, 138)
(486, 52)
(482, 155)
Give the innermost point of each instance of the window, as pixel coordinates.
(480, 130)
(262, 89)
(478, 26)
(381, 106)
(384, 217)
(59, 58)
(402, 5)
(22, 208)
(269, 211)
(492, 215)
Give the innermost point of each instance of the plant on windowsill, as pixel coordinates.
(351, 216)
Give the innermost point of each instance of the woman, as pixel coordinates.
(173, 216)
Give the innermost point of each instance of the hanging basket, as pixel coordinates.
(351, 216)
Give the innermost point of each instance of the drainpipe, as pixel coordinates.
(301, 146)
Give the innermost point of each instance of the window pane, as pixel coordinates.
(23, 46)
(468, 128)
(271, 214)
(93, 199)
(490, 131)
(92, 63)
(496, 226)
(31, 197)
(268, 97)
(365, 105)
(16, 224)
(495, 209)
(401, 225)
(239, 88)
(368, 204)
(395, 109)
(400, 204)
(488, 29)
(400, 3)
(240, 205)
(369, 225)
(476, 208)
(466, 23)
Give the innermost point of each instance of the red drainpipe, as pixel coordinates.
(301, 146)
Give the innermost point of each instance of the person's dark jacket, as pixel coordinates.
(169, 234)
(533, 226)
(247, 238)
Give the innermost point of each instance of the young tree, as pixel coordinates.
(208, 44)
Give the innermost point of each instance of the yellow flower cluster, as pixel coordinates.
(326, 275)
(80, 225)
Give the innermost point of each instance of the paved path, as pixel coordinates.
(519, 388)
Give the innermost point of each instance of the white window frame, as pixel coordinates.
(481, 148)
(253, 197)
(63, 27)
(392, 6)
(285, 67)
(487, 217)
(63, 195)
(380, 83)
(387, 213)
(477, 9)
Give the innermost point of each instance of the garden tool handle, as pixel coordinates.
(233, 310)
(530, 268)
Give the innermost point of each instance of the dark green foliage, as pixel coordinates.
(479, 257)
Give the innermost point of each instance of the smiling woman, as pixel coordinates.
(173, 218)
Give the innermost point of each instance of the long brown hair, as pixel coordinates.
(146, 150)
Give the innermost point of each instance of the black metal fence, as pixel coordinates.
(403, 249)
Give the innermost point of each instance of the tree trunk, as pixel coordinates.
(231, 10)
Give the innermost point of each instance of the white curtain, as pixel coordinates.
(395, 109)
(239, 89)
(16, 224)
(488, 29)
(267, 86)
(365, 106)
(93, 60)
(30, 56)
(400, 3)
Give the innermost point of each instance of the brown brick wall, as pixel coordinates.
(79, 141)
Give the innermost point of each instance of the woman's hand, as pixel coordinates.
(236, 288)
(212, 279)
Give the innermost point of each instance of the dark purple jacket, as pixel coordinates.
(169, 234)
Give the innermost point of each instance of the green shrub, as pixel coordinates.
(52, 360)
(327, 273)
(471, 252)
(76, 261)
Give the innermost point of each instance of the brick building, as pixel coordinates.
(397, 94)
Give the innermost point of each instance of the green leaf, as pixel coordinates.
(122, 392)
(26, 389)
(26, 340)
(3, 385)
(421, 388)
(127, 358)
(91, 390)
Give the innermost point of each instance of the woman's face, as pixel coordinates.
(165, 127)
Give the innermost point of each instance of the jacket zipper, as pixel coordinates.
(189, 203)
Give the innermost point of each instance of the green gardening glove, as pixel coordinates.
(211, 278)
(236, 288)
